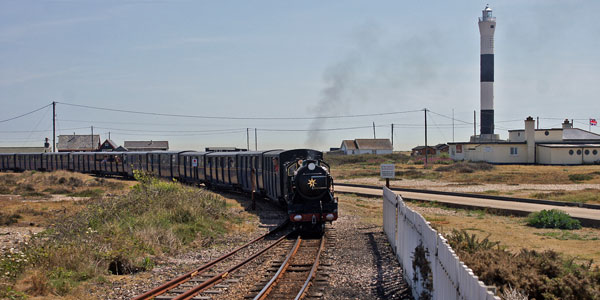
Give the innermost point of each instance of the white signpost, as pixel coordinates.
(388, 171)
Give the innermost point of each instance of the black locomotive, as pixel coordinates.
(299, 179)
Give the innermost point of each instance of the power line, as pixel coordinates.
(25, 114)
(234, 118)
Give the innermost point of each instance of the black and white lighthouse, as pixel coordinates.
(487, 26)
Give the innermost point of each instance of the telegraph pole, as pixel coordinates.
(392, 136)
(92, 144)
(425, 110)
(374, 131)
(53, 126)
(248, 139)
(255, 140)
(453, 125)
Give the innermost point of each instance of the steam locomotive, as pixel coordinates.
(298, 180)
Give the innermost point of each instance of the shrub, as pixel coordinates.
(463, 241)
(553, 218)
(8, 219)
(537, 275)
(580, 177)
(466, 167)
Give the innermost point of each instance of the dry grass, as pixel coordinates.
(512, 232)
(368, 166)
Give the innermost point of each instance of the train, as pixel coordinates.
(298, 180)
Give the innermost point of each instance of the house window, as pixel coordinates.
(514, 151)
(571, 152)
(587, 152)
(578, 152)
(546, 132)
(595, 152)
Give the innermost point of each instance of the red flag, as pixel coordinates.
(593, 122)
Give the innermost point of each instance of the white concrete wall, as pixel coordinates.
(493, 153)
(554, 136)
(516, 136)
(562, 156)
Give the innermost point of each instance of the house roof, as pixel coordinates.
(579, 134)
(422, 147)
(146, 144)
(374, 144)
(78, 142)
(111, 143)
(349, 144)
(570, 145)
(22, 149)
(440, 146)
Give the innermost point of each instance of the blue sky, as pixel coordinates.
(284, 59)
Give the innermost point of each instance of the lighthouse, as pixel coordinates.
(487, 26)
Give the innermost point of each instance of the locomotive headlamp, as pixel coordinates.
(329, 217)
(312, 166)
(297, 218)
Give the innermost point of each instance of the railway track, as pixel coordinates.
(291, 277)
(219, 273)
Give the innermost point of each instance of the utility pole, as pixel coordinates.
(255, 140)
(538, 122)
(92, 144)
(425, 110)
(392, 137)
(374, 137)
(109, 135)
(53, 126)
(453, 125)
(248, 139)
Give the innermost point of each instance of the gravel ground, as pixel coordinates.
(362, 264)
(478, 188)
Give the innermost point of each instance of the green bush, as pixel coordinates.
(466, 167)
(553, 218)
(580, 177)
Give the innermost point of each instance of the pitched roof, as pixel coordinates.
(78, 142)
(440, 146)
(374, 144)
(22, 149)
(350, 145)
(146, 145)
(422, 147)
(111, 143)
(579, 134)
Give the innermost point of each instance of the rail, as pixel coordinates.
(415, 243)
(269, 286)
(188, 276)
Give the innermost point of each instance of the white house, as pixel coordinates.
(554, 146)
(367, 146)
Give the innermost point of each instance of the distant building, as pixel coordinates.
(146, 145)
(441, 148)
(108, 146)
(23, 149)
(420, 150)
(121, 149)
(78, 143)
(223, 149)
(366, 146)
(552, 146)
